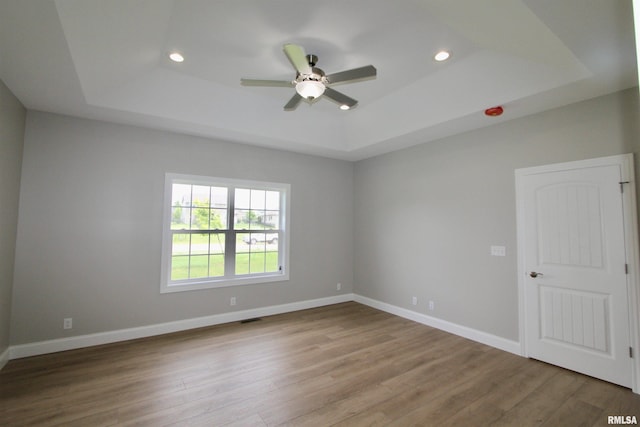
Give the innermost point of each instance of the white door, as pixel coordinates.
(572, 239)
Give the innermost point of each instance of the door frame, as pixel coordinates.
(626, 165)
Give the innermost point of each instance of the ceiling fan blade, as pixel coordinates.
(353, 75)
(339, 97)
(271, 83)
(293, 102)
(298, 58)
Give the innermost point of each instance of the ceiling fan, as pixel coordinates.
(311, 82)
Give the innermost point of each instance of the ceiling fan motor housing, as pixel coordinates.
(316, 75)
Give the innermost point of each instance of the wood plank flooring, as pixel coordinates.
(342, 365)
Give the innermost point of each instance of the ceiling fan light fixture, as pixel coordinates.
(310, 89)
(345, 107)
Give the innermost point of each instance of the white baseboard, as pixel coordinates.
(4, 357)
(62, 344)
(463, 331)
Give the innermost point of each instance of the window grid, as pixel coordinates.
(247, 222)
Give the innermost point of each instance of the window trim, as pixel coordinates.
(167, 286)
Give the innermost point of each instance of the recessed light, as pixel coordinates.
(443, 55)
(176, 57)
(344, 107)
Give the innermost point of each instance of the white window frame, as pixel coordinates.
(230, 278)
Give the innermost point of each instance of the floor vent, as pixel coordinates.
(255, 319)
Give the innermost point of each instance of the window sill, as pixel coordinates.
(222, 283)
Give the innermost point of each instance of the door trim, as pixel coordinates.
(625, 163)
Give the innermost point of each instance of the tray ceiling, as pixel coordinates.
(108, 59)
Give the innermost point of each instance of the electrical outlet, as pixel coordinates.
(432, 305)
(339, 286)
(232, 301)
(67, 323)
(414, 300)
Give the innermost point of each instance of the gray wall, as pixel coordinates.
(417, 222)
(12, 119)
(425, 217)
(89, 235)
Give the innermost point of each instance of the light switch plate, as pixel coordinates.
(498, 251)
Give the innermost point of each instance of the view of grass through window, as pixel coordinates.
(223, 231)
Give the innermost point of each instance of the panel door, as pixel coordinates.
(576, 289)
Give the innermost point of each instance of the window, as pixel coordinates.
(223, 232)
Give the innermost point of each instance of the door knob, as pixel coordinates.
(535, 274)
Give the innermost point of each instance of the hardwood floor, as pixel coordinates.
(343, 365)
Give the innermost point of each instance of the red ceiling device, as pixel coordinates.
(494, 111)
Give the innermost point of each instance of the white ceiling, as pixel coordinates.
(107, 59)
